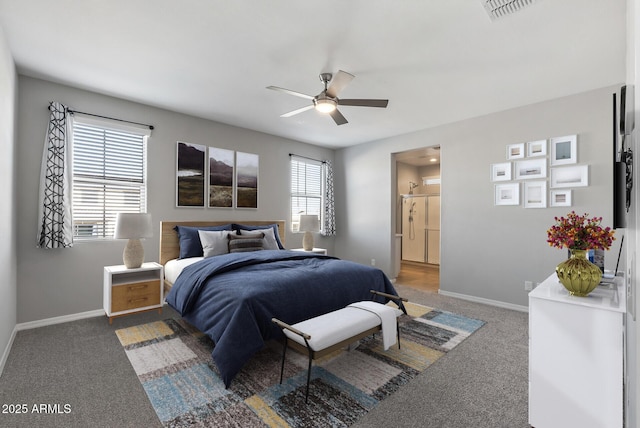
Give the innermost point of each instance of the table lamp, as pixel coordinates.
(308, 224)
(133, 226)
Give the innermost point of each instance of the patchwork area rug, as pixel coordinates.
(173, 362)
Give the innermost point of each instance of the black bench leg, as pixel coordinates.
(284, 354)
(398, 333)
(306, 397)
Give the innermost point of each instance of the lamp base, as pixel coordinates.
(133, 254)
(307, 241)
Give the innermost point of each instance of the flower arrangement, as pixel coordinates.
(578, 232)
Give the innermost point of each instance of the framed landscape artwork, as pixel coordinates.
(564, 150)
(221, 175)
(535, 194)
(247, 180)
(531, 168)
(507, 194)
(515, 151)
(570, 176)
(537, 148)
(190, 175)
(561, 198)
(501, 171)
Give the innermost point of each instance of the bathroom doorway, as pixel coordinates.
(418, 218)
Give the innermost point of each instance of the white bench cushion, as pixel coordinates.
(328, 329)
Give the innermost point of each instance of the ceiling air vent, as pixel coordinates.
(501, 8)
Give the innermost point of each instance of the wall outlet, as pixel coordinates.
(373, 262)
(528, 285)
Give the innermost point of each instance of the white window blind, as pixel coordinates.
(109, 176)
(306, 190)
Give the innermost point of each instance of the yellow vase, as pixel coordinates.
(578, 275)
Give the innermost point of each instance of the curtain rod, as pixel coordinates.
(306, 157)
(72, 111)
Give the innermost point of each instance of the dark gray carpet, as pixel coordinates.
(481, 383)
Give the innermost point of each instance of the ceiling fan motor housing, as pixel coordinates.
(325, 78)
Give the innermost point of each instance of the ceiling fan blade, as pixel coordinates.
(290, 92)
(338, 83)
(338, 118)
(300, 110)
(364, 103)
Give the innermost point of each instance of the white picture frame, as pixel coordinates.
(537, 148)
(561, 198)
(501, 171)
(564, 150)
(515, 151)
(535, 194)
(570, 176)
(507, 194)
(530, 169)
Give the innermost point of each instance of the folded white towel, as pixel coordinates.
(388, 318)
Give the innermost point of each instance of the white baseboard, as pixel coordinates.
(7, 349)
(59, 320)
(498, 303)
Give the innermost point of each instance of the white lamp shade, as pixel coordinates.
(309, 223)
(133, 226)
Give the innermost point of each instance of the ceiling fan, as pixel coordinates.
(327, 101)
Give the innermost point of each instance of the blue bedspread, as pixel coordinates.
(232, 297)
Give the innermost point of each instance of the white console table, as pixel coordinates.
(576, 356)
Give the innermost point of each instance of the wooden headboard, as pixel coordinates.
(170, 246)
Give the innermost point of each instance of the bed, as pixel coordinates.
(232, 297)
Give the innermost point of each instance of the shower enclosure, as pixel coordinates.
(421, 228)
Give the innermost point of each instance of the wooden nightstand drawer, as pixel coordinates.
(127, 291)
(135, 295)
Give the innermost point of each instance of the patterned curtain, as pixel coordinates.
(329, 227)
(55, 228)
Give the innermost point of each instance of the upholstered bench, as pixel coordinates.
(326, 333)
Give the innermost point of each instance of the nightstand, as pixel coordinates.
(322, 251)
(127, 291)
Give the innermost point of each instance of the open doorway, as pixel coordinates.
(418, 218)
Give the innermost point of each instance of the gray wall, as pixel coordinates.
(8, 263)
(632, 239)
(68, 281)
(487, 252)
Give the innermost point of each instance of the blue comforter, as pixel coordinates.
(232, 297)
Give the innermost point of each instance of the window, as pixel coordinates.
(306, 190)
(109, 176)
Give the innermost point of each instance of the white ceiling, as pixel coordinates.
(437, 62)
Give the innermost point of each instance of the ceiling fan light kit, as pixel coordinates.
(327, 101)
(325, 105)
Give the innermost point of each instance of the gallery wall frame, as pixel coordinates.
(570, 176)
(507, 194)
(561, 198)
(537, 148)
(535, 194)
(190, 175)
(501, 171)
(564, 150)
(530, 169)
(515, 151)
(544, 171)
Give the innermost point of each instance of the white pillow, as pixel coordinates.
(214, 242)
(270, 242)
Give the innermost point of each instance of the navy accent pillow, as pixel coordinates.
(241, 227)
(190, 245)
